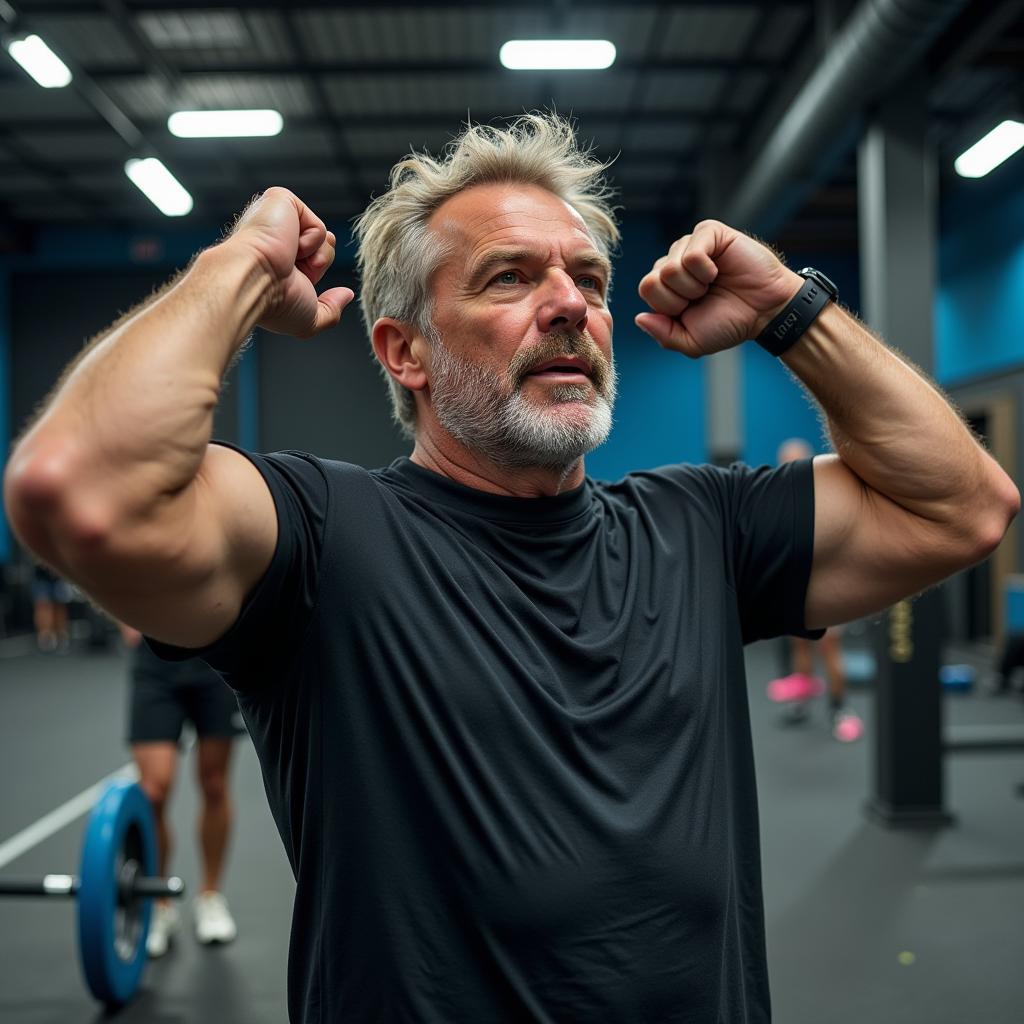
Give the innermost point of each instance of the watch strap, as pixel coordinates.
(785, 330)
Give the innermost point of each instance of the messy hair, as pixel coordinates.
(398, 252)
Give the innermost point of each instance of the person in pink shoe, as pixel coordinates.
(802, 685)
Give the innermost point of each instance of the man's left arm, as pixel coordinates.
(910, 497)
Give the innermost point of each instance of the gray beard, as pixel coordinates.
(490, 415)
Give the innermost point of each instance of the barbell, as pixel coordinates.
(115, 889)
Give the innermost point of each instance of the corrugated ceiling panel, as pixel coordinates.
(591, 90)
(682, 90)
(287, 94)
(430, 94)
(631, 172)
(746, 89)
(266, 43)
(695, 32)
(18, 182)
(667, 137)
(393, 142)
(91, 39)
(292, 143)
(454, 33)
(145, 98)
(195, 30)
(777, 36)
(27, 102)
(70, 146)
(963, 89)
(54, 210)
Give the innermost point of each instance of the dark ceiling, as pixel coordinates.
(360, 84)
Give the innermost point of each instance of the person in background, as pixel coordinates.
(50, 598)
(164, 695)
(802, 685)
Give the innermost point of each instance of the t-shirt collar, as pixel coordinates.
(495, 507)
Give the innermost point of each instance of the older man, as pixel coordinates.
(500, 706)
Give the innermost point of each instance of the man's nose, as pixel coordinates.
(564, 307)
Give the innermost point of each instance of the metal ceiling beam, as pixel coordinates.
(47, 7)
(404, 68)
(393, 122)
(880, 41)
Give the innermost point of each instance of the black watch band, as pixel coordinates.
(785, 330)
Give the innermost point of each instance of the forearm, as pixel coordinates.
(890, 425)
(130, 421)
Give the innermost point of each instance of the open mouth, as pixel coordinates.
(569, 369)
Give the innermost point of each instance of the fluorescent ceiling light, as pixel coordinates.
(991, 150)
(40, 62)
(551, 54)
(159, 186)
(224, 124)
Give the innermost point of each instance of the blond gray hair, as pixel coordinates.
(398, 252)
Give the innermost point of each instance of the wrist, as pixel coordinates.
(789, 323)
(241, 275)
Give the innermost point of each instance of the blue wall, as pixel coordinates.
(659, 416)
(775, 407)
(979, 315)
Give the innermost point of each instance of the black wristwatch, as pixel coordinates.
(785, 330)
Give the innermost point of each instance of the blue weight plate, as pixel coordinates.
(111, 932)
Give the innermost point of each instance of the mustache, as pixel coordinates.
(562, 343)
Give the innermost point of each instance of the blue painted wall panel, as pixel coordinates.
(775, 407)
(980, 303)
(659, 417)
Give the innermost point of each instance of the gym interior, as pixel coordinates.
(847, 134)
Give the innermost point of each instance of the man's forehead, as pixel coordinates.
(508, 216)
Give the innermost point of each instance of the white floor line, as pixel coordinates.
(57, 819)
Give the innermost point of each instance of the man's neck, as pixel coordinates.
(458, 463)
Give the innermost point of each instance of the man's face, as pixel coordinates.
(521, 363)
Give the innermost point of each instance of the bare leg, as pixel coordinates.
(216, 815)
(803, 659)
(44, 616)
(832, 655)
(157, 763)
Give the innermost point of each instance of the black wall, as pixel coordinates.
(54, 313)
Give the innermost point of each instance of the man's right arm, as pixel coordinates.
(116, 485)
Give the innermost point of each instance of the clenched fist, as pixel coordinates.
(716, 288)
(294, 246)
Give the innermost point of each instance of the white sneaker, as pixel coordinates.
(213, 920)
(163, 923)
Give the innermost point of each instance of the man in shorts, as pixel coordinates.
(162, 697)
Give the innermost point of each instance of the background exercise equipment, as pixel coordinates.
(115, 888)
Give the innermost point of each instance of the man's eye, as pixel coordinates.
(507, 277)
(590, 282)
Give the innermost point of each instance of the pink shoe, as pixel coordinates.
(846, 726)
(797, 686)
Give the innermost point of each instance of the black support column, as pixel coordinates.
(898, 212)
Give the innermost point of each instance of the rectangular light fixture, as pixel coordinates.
(40, 62)
(557, 54)
(224, 124)
(990, 150)
(159, 186)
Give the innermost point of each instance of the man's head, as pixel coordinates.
(794, 449)
(490, 262)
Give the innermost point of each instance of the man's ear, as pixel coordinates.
(400, 347)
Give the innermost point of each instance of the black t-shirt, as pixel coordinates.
(506, 740)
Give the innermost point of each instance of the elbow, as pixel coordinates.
(45, 505)
(1001, 505)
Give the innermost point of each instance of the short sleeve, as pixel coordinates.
(257, 650)
(773, 547)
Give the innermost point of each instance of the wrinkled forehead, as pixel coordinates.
(494, 216)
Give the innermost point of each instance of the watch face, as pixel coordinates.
(824, 281)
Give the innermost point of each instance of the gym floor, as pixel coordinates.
(864, 923)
